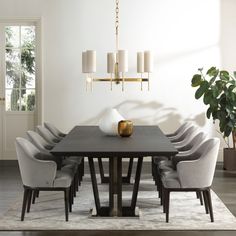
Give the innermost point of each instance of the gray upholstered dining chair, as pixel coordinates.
(56, 133)
(47, 135)
(193, 175)
(186, 137)
(40, 175)
(52, 141)
(54, 130)
(179, 130)
(66, 163)
(184, 152)
(190, 151)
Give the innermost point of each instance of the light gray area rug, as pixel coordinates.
(186, 213)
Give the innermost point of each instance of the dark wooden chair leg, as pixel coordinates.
(205, 202)
(167, 203)
(70, 199)
(37, 195)
(161, 192)
(82, 168)
(24, 204)
(29, 200)
(199, 194)
(163, 200)
(208, 192)
(34, 196)
(74, 187)
(66, 198)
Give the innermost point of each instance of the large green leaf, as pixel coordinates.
(208, 113)
(202, 89)
(215, 91)
(196, 80)
(224, 75)
(213, 71)
(228, 130)
(207, 97)
(234, 74)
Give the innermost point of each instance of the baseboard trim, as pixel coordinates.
(4, 163)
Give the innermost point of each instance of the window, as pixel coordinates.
(20, 68)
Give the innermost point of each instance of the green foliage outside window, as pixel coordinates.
(26, 68)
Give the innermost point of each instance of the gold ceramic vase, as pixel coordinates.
(125, 128)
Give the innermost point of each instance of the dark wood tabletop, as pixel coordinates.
(90, 141)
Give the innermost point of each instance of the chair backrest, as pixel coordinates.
(47, 135)
(193, 144)
(199, 173)
(189, 134)
(54, 130)
(39, 141)
(179, 132)
(34, 173)
(180, 136)
(182, 127)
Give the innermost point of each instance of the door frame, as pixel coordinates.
(38, 69)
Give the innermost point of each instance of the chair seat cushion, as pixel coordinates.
(70, 167)
(76, 159)
(165, 168)
(170, 182)
(157, 159)
(165, 163)
(169, 174)
(63, 179)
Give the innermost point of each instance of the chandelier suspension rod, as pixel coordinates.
(117, 25)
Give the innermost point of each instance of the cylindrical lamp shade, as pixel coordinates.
(148, 61)
(122, 61)
(84, 62)
(111, 60)
(91, 61)
(140, 62)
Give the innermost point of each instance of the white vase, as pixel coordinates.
(109, 122)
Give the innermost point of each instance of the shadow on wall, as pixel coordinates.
(149, 113)
(199, 119)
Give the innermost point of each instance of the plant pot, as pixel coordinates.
(229, 159)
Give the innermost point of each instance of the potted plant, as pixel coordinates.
(218, 89)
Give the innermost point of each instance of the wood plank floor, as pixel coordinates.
(10, 189)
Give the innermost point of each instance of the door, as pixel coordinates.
(18, 84)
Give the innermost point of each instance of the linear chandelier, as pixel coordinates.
(117, 64)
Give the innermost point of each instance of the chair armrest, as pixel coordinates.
(179, 158)
(195, 173)
(38, 173)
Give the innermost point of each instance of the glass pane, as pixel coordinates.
(13, 67)
(12, 34)
(28, 36)
(27, 99)
(28, 68)
(12, 100)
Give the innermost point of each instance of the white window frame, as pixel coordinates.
(37, 22)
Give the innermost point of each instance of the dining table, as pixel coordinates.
(91, 142)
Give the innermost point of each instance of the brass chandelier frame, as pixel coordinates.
(117, 77)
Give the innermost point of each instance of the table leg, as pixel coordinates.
(125, 179)
(101, 170)
(94, 184)
(136, 183)
(115, 186)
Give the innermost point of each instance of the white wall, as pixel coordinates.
(183, 34)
